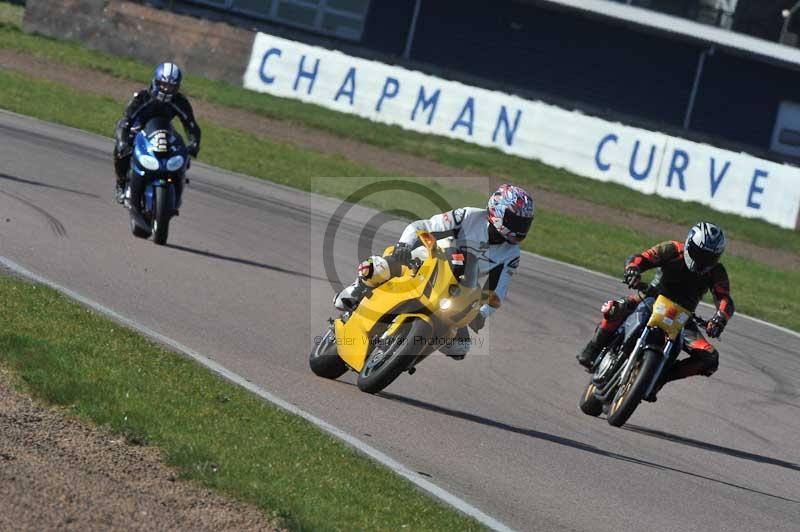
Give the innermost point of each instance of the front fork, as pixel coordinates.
(626, 371)
(665, 357)
(172, 189)
(641, 344)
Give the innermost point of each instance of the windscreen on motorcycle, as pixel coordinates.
(463, 260)
(158, 131)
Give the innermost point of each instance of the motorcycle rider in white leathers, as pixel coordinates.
(503, 225)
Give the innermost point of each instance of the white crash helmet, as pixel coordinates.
(705, 244)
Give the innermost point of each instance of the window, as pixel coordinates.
(714, 12)
(256, 7)
(341, 18)
(786, 133)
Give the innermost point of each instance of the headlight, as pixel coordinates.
(149, 162)
(445, 303)
(175, 163)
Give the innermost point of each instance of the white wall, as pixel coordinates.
(647, 161)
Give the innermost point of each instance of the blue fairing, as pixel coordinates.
(150, 195)
(160, 169)
(142, 148)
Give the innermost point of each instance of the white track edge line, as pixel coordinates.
(268, 183)
(380, 457)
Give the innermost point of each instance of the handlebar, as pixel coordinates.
(642, 287)
(645, 289)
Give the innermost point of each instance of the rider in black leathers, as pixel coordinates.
(161, 99)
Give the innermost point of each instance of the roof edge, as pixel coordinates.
(684, 28)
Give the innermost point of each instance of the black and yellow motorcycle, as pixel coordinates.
(641, 351)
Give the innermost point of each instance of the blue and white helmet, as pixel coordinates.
(705, 244)
(166, 82)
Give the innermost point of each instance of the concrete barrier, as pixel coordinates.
(215, 50)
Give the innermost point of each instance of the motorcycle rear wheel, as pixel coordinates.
(324, 359)
(630, 393)
(589, 404)
(403, 348)
(137, 231)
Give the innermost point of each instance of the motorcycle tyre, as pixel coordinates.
(623, 406)
(589, 404)
(137, 231)
(324, 360)
(161, 216)
(398, 361)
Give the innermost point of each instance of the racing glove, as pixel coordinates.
(402, 253)
(716, 325)
(632, 277)
(478, 323)
(123, 149)
(193, 149)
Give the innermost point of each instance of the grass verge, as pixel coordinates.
(763, 291)
(212, 431)
(450, 152)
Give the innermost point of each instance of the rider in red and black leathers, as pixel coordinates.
(686, 287)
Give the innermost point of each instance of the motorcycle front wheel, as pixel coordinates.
(324, 359)
(161, 216)
(630, 393)
(393, 355)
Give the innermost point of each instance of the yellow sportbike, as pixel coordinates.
(407, 318)
(643, 348)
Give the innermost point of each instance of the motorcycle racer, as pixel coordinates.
(161, 99)
(687, 271)
(504, 224)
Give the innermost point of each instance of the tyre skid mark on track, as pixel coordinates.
(55, 224)
(34, 183)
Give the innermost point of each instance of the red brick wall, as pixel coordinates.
(215, 50)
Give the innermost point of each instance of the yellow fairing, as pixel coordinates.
(669, 316)
(425, 295)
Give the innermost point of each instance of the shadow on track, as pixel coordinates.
(46, 185)
(246, 262)
(567, 442)
(712, 447)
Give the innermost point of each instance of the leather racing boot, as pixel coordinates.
(586, 357)
(349, 298)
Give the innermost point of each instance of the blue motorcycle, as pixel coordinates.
(160, 159)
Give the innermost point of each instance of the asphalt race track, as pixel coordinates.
(503, 430)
